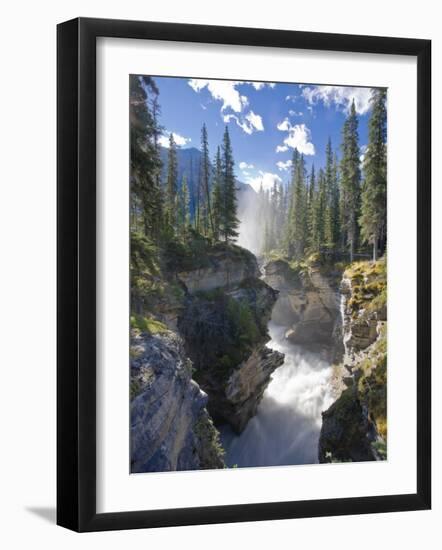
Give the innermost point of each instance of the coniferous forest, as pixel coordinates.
(219, 328)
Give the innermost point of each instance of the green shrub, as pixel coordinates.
(243, 321)
(147, 324)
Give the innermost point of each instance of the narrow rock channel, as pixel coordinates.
(287, 425)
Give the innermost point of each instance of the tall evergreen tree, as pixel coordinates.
(332, 219)
(217, 196)
(198, 199)
(183, 208)
(230, 222)
(350, 180)
(311, 209)
(146, 204)
(332, 225)
(192, 189)
(336, 200)
(319, 212)
(298, 216)
(206, 212)
(290, 203)
(373, 217)
(171, 183)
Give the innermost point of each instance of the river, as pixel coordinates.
(285, 430)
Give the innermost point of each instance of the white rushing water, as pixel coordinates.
(286, 428)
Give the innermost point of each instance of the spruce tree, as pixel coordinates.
(350, 181)
(332, 221)
(146, 200)
(230, 222)
(373, 217)
(217, 196)
(183, 208)
(206, 212)
(192, 188)
(290, 200)
(171, 182)
(319, 212)
(311, 209)
(298, 215)
(198, 199)
(332, 192)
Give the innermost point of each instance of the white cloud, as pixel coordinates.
(244, 166)
(250, 123)
(255, 120)
(226, 92)
(284, 125)
(341, 96)
(295, 113)
(284, 166)
(266, 179)
(290, 98)
(179, 140)
(222, 90)
(261, 85)
(281, 148)
(298, 137)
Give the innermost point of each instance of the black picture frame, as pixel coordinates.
(76, 273)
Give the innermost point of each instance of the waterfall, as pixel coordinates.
(285, 430)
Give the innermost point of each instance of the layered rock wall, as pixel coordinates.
(308, 303)
(354, 428)
(224, 326)
(170, 426)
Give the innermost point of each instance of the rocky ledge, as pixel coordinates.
(224, 326)
(170, 426)
(224, 266)
(354, 428)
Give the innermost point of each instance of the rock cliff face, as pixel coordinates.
(170, 426)
(225, 267)
(308, 303)
(224, 325)
(236, 400)
(354, 428)
(198, 355)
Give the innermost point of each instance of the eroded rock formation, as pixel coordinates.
(309, 304)
(225, 329)
(170, 426)
(354, 428)
(201, 357)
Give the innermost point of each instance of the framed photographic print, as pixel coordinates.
(243, 274)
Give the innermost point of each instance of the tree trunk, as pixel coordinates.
(375, 247)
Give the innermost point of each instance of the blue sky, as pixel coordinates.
(266, 121)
